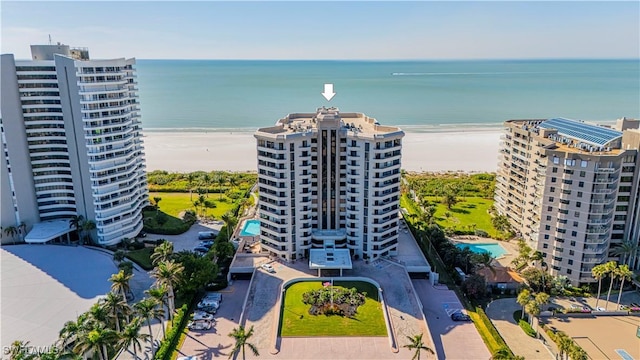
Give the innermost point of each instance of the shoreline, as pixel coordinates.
(460, 150)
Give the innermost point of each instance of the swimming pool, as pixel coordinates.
(250, 228)
(496, 250)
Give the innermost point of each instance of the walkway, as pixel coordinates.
(501, 314)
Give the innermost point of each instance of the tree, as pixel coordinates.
(427, 217)
(474, 286)
(11, 231)
(483, 260)
(121, 283)
(198, 271)
(241, 336)
(219, 179)
(159, 294)
(524, 298)
(19, 350)
(598, 272)
(87, 227)
(96, 341)
(501, 223)
(229, 221)
(203, 208)
(623, 273)
(627, 250)
(541, 299)
(577, 353)
(131, 337)
(116, 305)
(147, 309)
(167, 274)
(533, 309)
(190, 178)
(156, 200)
(162, 252)
(76, 223)
(610, 267)
(564, 343)
(505, 354)
(71, 332)
(415, 343)
(118, 256)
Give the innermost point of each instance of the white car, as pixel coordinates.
(268, 268)
(199, 325)
(202, 315)
(188, 358)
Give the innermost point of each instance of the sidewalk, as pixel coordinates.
(501, 314)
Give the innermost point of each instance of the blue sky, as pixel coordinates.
(327, 30)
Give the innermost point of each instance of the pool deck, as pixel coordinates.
(510, 247)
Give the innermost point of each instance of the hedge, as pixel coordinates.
(527, 328)
(170, 342)
(487, 331)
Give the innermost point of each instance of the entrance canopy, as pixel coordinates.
(329, 259)
(48, 230)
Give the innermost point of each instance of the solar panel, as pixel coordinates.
(592, 134)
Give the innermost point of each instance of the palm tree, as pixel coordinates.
(190, 178)
(115, 304)
(88, 226)
(241, 336)
(19, 350)
(219, 179)
(11, 231)
(96, 341)
(577, 353)
(598, 272)
(623, 273)
(131, 337)
(147, 309)
(533, 309)
(72, 331)
(229, 220)
(415, 343)
(483, 260)
(206, 179)
(156, 200)
(76, 222)
(167, 274)
(98, 314)
(564, 343)
(22, 229)
(505, 354)
(159, 294)
(121, 283)
(162, 252)
(626, 248)
(611, 267)
(523, 299)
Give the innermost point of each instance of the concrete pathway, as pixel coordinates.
(501, 314)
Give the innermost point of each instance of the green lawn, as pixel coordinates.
(175, 203)
(141, 257)
(469, 211)
(296, 320)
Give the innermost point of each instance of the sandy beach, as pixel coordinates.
(459, 150)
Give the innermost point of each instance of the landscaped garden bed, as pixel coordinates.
(344, 319)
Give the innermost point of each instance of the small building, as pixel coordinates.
(501, 279)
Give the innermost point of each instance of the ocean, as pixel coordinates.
(225, 95)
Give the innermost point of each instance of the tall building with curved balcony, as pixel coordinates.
(76, 121)
(571, 189)
(329, 180)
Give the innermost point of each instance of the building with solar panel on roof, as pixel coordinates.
(570, 188)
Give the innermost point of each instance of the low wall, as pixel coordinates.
(283, 287)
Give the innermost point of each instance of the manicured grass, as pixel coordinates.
(296, 320)
(469, 211)
(141, 257)
(175, 203)
(172, 225)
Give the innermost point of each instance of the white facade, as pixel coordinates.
(326, 179)
(80, 121)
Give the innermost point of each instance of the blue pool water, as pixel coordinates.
(496, 250)
(251, 228)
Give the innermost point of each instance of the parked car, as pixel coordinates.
(205, 235)
(199, 325)
(268, 268)
(142, 234)
(202, 315)
(206, 243)
(458, 316)
(201, 249)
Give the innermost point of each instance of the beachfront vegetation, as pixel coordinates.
(460, 203)
(296, 320)
(200, 182)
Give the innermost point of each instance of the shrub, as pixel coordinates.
(126, 266)
(482, 233)
(527, 328)
(168, 345)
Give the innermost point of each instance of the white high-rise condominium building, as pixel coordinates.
(571, 189)
(72, 144)
(329, 180)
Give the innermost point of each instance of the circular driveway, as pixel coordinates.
(44, 286)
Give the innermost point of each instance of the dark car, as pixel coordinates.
(206, 243)
(142, 234)
(201, 249)
(458, 316)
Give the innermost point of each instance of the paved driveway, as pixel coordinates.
(216, 343)
(453, 340)
(189, 239)
(501, 314)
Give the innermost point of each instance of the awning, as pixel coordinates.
(48, 230)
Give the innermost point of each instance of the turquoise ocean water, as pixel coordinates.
(224, 95)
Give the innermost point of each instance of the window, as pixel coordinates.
(574, 233)
(548, 217)
(553, 179)
(620, 218)
(570, 262)
(583, 173)
(554, 170)
(545, 246)
(576, 214)
(584, 163)
(579, 194)
(552, 189)
(556, 160)
(550, 208)
(575, 224)
(547, 227)
(581, 184)
(578, 204)
(569, 271)
(551, 198)
(567, 181)
(568, 171)
(546, 236)
(571, 252)
(570, 162)
(573, 243)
